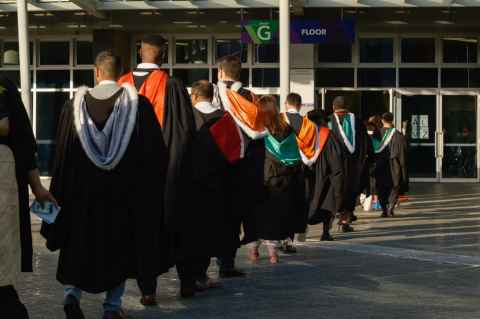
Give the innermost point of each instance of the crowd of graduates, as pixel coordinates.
(149, 176)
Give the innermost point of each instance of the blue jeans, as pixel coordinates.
(113, 297)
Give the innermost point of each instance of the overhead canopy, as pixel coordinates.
(96, 6)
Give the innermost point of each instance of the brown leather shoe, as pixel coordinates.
(149, 300)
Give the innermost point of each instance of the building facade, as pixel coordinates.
(418, 59)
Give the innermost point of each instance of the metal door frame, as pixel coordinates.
(397, 106)
(476, 94)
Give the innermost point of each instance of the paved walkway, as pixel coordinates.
(423, 264)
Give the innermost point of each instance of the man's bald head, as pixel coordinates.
(108, 66)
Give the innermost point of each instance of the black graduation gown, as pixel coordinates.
(276, 216)
(24, 147)
(111, 224)
(327, 183)
(178, 133)
(303, 194)
(245, 182)
(355, 166)
(210, 235)
(391, 164)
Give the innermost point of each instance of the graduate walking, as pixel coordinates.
(274, 219)
(109, 167)
(391, 174)
(239, 136)
(172, 106)
(356, 155)
(326, 183)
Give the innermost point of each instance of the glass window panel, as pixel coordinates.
(376, 77)
(46, 153)
(244, 77)
(460, 50)
(48, 110)
(267, 53)
(455, 78)
(418, 50)
(225, 47)
(188, 76)
(334, 77)
(191, 51)
(83, 77)
(474, 78)
(14, 76)
(54, 53)
(416, 77)
(56, 79)
(334, 53)
(376, 50)
(11, 53)
(84, 52)
(265, 77)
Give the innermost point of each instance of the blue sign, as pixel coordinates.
(314, 31)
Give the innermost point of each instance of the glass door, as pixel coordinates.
(418, 121)
(459, 140)
(364, 103)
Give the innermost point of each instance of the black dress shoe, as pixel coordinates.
(327, 237)
(72, 308)
(231, 273)
(353, 218)
(347, 228)
(187, 292)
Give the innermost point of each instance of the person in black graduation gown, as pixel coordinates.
(391, 174)
(293, 105)
(274, 218)
(357, 153)
(173, 108)
(16, 133)
(245, 177)
(109, 176)
(326, 182)
(207, 188)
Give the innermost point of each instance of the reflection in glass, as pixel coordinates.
(265, 77)
(267, 53)
(189, 76)
(54, 79)
(224, 47)
(48, 110)
(83, 77)
(376, 50)
(460, 50)
(46, 152)
(334, 53)
(84, 52)
(418, 50)
(334, 77)
(54, 53)
(191, 51)
(416, 77)
(460, 161)
(419, 115)
(11, 54)
(376, 77)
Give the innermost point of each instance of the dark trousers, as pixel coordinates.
(11, 305)
(192, 269)
(226, 261)
(388, 196)
(148, 286)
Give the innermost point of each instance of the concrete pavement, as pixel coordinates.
(422, 264)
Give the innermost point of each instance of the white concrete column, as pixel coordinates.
(24, 52)
(284, 40)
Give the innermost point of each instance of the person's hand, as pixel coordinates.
(42, 195)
